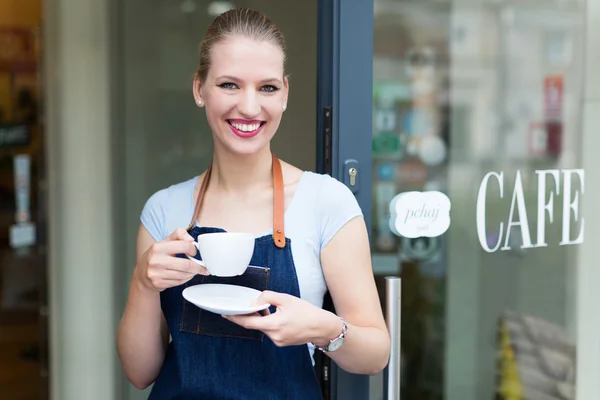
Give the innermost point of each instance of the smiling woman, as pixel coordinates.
(304, 245)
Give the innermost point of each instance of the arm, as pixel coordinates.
(346, 262)
(143, 334)
(347, 267)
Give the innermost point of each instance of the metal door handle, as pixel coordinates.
(393, 287)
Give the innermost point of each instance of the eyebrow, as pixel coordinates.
(233, 78)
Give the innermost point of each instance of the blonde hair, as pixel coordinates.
(238, 22)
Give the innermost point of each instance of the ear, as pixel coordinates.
(197, 91)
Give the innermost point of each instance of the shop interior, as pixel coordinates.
(23, 338)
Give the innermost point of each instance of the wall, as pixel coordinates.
(81, 263)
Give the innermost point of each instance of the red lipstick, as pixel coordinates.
(245, 133)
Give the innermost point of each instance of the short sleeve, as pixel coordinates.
(338, 207)
(153, 214)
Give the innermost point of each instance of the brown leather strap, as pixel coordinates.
(278, 202)
(200, 198)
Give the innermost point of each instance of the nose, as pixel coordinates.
(249, 104)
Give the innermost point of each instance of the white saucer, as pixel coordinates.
(224, 299)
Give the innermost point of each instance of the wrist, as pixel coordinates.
(328, 328)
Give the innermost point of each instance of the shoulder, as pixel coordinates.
(166, 205)
(335, 204)
(317, 180)
(329, 190)
(175, 192)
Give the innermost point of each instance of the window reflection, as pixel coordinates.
(462, 90)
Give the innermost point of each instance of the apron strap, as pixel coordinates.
(200, 198)
(278, 202)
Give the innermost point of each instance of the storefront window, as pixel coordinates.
(481, 101)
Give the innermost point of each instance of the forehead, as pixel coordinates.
(246, 59)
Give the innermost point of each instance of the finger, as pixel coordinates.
(266, 312)
(171, 275)
(272, 298)
(166, 279)
(184, 265)
(259, 302)
(176, 247)
(254, 314)
(180, 234)
(196, 261)
(251, 321)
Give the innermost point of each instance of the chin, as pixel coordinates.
(245, 147)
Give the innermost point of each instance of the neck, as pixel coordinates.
(235, 173)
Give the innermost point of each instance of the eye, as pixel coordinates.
(228, 85)
(269, 88)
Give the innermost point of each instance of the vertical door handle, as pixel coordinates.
(393, 287)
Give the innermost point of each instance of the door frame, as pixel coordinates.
(345, 90)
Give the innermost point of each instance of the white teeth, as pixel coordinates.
(245, 127)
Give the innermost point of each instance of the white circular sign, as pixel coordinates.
(432, 150)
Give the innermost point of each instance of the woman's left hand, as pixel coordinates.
(295, 322)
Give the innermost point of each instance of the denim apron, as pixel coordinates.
(212, 358)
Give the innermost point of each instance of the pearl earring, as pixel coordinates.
(284, 107)
(199, 102)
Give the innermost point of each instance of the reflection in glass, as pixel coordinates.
(462, 90)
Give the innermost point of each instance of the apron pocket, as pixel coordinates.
(202, 322)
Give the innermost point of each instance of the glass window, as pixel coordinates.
(481, 101)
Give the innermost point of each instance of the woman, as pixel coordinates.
(319, 242)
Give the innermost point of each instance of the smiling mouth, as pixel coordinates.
(246, 130)
(245, 127)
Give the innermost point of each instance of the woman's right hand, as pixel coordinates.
(159, 269)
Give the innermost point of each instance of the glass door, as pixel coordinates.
(464, 121)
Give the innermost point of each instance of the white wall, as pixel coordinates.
(82, 319)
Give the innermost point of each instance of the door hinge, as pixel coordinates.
(328, 137)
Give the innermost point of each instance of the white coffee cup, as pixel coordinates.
(225, 253)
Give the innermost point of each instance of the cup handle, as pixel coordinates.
(199, 262)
